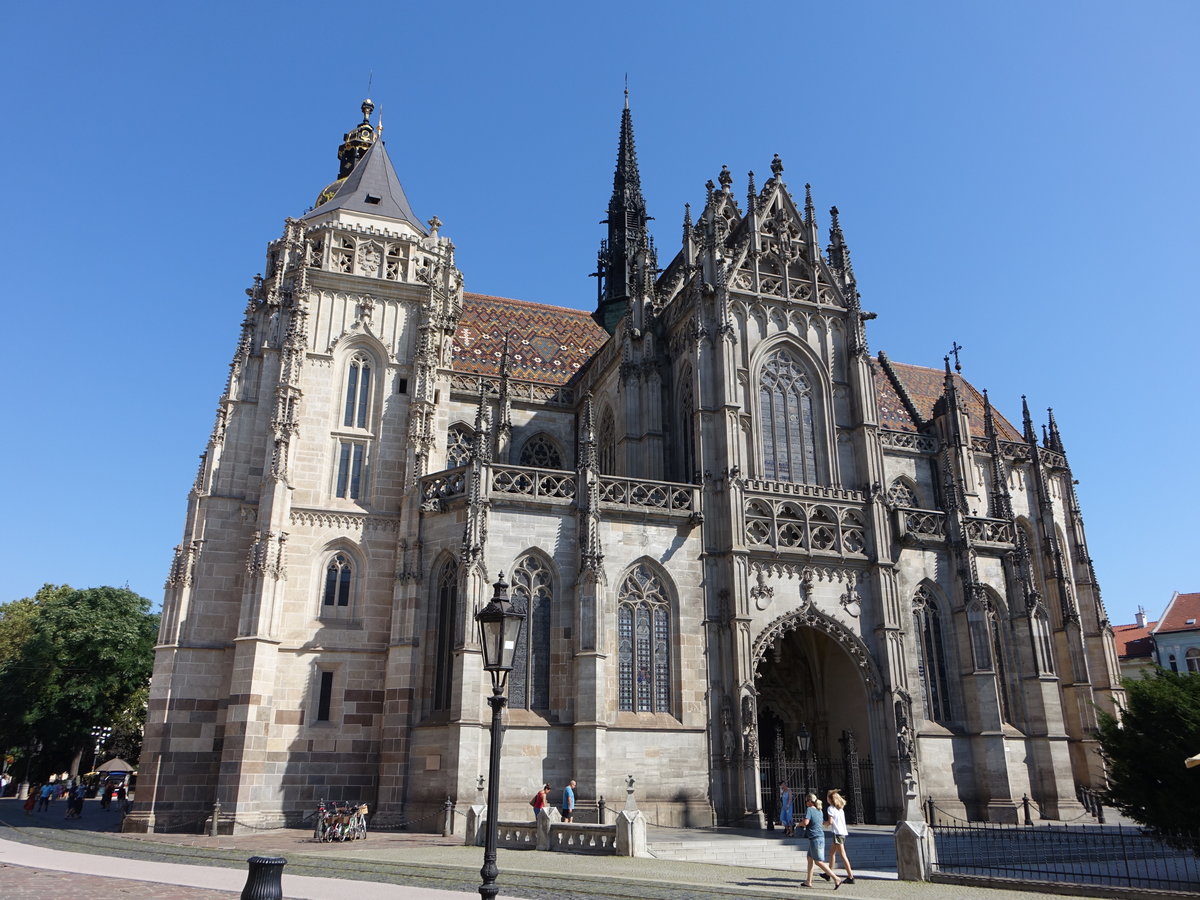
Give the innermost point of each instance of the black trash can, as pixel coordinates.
(265, 878)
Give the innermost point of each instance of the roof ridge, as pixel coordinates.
(570, 309)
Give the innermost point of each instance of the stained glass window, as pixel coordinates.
(532, 592)
(787, 427)
(931, 656)
(643, 644)
(446, 597)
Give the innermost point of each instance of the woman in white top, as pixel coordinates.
(835, 818)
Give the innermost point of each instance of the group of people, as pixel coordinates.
(541, 801)
(814, 825)
(41, 796)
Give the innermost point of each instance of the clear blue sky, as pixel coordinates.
(1018, 177)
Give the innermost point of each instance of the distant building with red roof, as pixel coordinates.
(1135, 646)
(1177, 635)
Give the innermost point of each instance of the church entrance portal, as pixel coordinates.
(812, 725)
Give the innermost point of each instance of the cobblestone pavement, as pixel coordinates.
(430, 861)
(19, 883)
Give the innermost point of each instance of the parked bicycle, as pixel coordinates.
(340, 822)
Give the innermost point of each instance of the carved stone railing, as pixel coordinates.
(990, 531)
(907, 440)
(805, 526)
(441, 487)
(657, 496)
(583, 838)
(796, 489)
(468, 384)
(531, 483)
(517, 835)
(921, 524)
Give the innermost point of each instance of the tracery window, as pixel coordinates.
(787, 426)
(902, 494)
(644, 643)
(606, 443)
(352, 457)
(931, 656)
(540, 451)
(358, 392)
(446, 599)
(339, 576)
(532, 592)
(460, 441)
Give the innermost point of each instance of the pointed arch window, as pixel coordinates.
(644, 643)
(339, 578)
(446, 597)
(532, 593)
(541, 452)
(460, 441)
(1039, 630)
(931, 656)
(358, 392)
(902, 494)
(787, 427)
(606, 443)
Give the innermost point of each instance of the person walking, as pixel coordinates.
(31, 799)
(568, 802)
(45, 795)
(835, 817)
(539, 801)
(816, 842)
(786, 815)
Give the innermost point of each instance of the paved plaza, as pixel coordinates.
(46, 857)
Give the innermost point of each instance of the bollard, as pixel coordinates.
(600, 810)
(448, 817)
(265, 878)
(216, 817)
(1025, 806)
(929, 806)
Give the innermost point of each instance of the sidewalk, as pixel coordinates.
(392, 865)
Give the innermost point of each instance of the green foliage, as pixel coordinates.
(69, 660)
(1146, 749)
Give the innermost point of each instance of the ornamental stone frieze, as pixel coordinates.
(813, 618)
(341, 521)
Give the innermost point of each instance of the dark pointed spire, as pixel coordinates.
(689, 243)
(627, 234)
(1055, 442)
(838, 252)
(1027, 422)
(1001, 502)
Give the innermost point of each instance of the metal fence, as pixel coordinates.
(1103, 855)
(854, 777)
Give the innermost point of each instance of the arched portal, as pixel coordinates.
(812, 680)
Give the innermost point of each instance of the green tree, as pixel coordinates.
(78, 659)
(1145, 752)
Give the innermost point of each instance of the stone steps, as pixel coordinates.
(866, 851)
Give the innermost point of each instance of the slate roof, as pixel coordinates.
(372, 187)
(548, 344)
(1133, 641)
(924, 387)
(1181, 608)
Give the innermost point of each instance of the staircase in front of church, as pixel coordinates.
(871, 848)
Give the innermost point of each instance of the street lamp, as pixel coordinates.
(499, 631)
(804, 742)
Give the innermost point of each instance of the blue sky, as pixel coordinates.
(1018, 177)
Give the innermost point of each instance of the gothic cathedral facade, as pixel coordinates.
(742, 542)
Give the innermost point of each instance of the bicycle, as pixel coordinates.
(340, 822)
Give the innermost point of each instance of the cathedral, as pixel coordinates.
(747, 549)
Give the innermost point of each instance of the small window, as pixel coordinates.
(402, 386)
(460, 441)
(325, 697)
(338, 576)
(540, 451)
(371, 198)
(351, 460)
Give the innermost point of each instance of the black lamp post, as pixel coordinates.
(499, 631)
(804, 742)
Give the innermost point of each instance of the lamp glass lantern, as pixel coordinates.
(803, 739)
(500, 626)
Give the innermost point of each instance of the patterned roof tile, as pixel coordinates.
(924, 386)
(547, 344)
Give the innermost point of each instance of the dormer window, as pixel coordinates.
(371, 198)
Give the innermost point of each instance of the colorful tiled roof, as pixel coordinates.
(1133, 641)
(548, 344)
(1183, 614)
(924, 386)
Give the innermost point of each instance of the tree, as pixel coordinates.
(77, 658)
(1145, 751)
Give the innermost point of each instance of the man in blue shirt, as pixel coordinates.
(568, 801)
